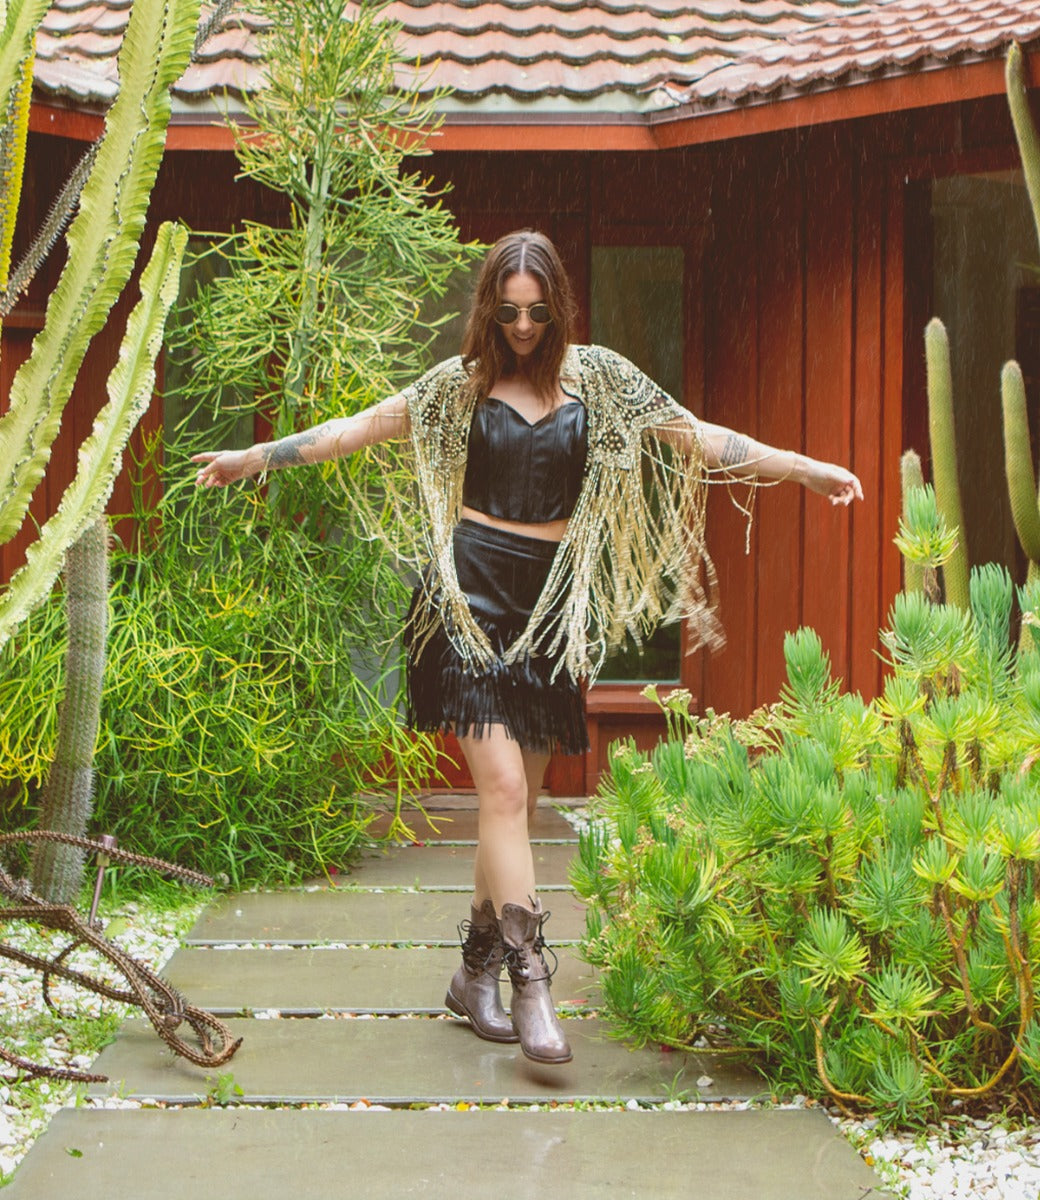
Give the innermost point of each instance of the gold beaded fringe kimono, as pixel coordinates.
(633, 554)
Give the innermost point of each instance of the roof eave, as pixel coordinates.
(198, 126)
(851, 97)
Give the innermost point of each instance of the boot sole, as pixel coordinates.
(459, 1010)
(547, 1062)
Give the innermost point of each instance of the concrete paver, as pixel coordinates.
(446, 867)
(457, 824)
(309, 981)
(408, 1061)
(426, 918)
(268, 1155)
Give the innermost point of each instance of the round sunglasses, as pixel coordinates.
(508, 314)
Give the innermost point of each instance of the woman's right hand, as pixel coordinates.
(839, 485)
(219, 468)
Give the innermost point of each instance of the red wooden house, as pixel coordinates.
(761, 202)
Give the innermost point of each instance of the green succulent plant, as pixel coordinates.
(103, 242)
(862, 922)
(110, 190)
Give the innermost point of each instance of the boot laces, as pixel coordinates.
(479, 945)
(519, 960)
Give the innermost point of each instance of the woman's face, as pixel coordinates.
(523, 336)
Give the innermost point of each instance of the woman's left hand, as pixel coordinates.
(836, 483)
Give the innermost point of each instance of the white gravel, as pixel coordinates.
(972, 1159)
(27, 1106)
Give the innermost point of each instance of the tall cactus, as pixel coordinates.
(16, 88)
(130, 389)
(58, 869)
(1026, 133)
(911, 476)
(103, 240)
(1018, 453)
(943, 439)
(1018, 464)
(1018, 459)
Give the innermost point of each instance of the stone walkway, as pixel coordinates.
(357, 974)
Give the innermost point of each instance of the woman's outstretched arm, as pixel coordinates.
(743, 457)
(331, 439)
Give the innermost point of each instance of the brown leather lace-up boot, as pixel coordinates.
(473, 992)
(534, 1018)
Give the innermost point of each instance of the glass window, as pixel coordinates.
(182, 415)
(636, 308)
(986, 290)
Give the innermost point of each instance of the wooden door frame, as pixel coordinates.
(618, 709)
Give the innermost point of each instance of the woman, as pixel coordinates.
(563, 497)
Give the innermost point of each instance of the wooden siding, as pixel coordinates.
(776, 322)
(805, 300)
(785, 314)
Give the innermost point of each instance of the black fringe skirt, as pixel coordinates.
(502, 575)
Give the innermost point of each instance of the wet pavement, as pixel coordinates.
(357, 966)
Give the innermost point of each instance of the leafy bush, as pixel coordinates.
(242, 726)
(252, 685)
(846, 892)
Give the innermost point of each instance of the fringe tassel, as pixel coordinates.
(538, 712)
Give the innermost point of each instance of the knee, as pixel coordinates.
(505, 793)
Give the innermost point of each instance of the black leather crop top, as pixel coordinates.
(517, 471)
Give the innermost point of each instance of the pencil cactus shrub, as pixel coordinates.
(58, 869)
(289, 619)
(252, 717)
(843, 893)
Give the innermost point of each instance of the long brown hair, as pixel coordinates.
(485, 351)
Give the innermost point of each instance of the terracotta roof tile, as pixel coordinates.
(99, 17)
(608, 53)
(888, 36)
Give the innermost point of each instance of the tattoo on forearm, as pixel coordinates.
(736, 451)
(288, 451)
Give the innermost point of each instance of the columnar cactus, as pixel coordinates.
(1018, 453)
(1026, 133)
(58, 869)
(911, 476)
(943, 439)
(102, 241)
(16, 75)
(1018, 464)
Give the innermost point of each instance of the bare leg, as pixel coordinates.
(505, 780)
(505, 868)
(535, 764)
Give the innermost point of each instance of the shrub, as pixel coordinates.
(847, 893)
(241, 732)
(252, 683)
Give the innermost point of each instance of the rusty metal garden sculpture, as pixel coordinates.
(163, 1005)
